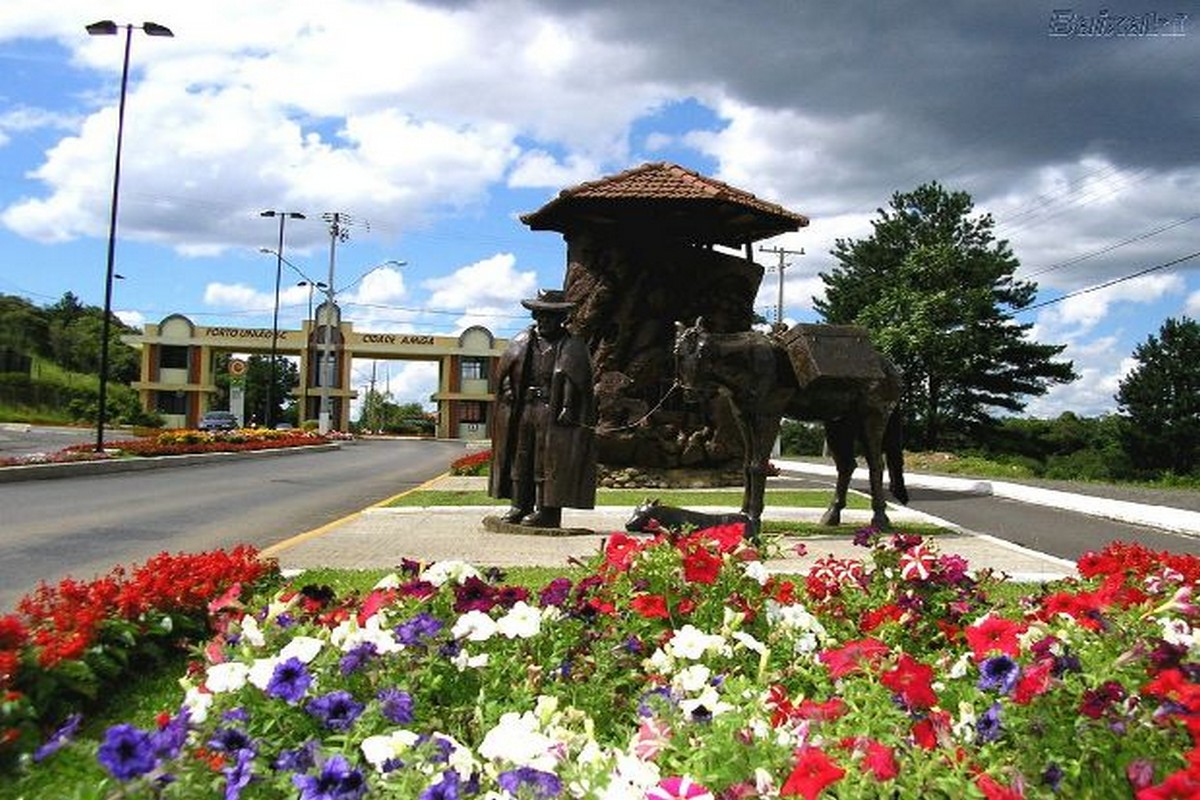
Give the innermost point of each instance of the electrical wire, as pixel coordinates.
(1112, 282)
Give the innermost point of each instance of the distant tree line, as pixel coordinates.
(50, 363)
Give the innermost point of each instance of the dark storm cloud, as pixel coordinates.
(974, 79)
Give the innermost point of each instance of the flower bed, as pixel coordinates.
(179, 442)
(682, 669)
(68, 643)
(477, 463)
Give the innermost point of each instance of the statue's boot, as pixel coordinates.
(522, 505)
(544, 517)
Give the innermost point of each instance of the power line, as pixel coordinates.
(1115, 245)
(1113, 282)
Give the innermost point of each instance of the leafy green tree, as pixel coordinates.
(938, 293)
(258, 377)
(22, 326)
(1160, 400)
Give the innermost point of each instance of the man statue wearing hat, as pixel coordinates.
(543, 446)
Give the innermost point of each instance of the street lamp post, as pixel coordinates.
(109, 28)
(268, 414)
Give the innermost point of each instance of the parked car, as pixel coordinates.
(218, 421)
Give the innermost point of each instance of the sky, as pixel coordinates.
(432, 126)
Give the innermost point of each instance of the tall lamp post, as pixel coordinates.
(109, 28)
(283, 218)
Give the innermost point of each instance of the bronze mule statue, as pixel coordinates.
(650, 515)
(826, 373)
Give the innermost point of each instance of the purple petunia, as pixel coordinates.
(335, 781)
(358, 657)
(987, 727)
(289, 681)
(445, 789)
(543, 785)
(127, 752)
(169, 740)
(302, 759)
(230, 740)
(999, 673)
(414, 631)
(336, 710)
(555, 593)
(396, 706)
(59, 738)
(238, 776)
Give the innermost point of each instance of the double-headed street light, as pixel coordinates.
(109, 28)
(283, 217)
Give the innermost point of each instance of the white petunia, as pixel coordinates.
(389, 581)
(691, 643)
(708, 699)
(517, 739)
(692, 679)
(522, 621)
(749, 642)
(631, 777)
(378, 750)
(262, 670)
(757, 572)
(464, 660)
(197, 703)
(449, 571)
(349, 635)
(304, 648)
(227, 677)
(251, 632)
(474, 626)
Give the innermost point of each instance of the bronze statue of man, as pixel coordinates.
(543, 445)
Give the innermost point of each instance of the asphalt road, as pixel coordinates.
(1057, 532)
(83, 526)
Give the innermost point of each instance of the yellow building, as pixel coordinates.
(178, 357)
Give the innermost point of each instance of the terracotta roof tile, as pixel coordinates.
(724, 211)
(664, 181)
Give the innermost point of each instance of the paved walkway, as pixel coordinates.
(380, 537)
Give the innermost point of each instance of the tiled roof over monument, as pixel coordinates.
(666, 195)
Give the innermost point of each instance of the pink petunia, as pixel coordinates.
(678, 787)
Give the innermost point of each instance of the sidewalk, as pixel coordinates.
(1087, 500)
(380, 537)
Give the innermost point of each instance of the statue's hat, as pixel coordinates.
(549, 300)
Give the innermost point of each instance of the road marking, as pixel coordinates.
(279, 547)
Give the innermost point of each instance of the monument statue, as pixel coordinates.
(543, 443)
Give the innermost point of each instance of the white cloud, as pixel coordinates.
(237, 296)
(489, 290)
(1192, 306)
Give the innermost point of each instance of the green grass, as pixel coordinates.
(797, 498)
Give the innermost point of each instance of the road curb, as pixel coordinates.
(75, 469)
(1155, 516)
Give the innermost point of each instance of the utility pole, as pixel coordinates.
(338, 231)
(783, 253)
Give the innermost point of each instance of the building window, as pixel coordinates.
(474, 368)
(471, 411)
(170, 402)
(173, 356)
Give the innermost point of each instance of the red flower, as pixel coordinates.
(727, 537)
(813, 772)
(853, 656)
(912, 681)
(701, 566)
(994, 634)
(878, 616)
(650, 606)
(881, 760)
(1034, 681)
(993, 790)
(620, 551)
(1181, 785)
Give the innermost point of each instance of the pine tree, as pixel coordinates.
(938, 293)
(1160, 400)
